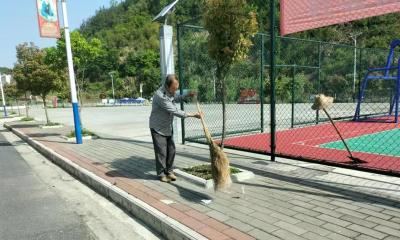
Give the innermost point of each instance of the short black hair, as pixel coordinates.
(170, 79)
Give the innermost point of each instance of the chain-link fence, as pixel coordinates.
(304, 68)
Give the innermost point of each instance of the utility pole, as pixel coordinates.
(112, 86)
(354, 37)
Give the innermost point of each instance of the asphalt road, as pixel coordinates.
(38, 200)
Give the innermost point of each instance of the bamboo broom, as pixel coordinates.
(323, 102)
(220, 169)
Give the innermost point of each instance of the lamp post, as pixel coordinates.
(167, 51)
(3, 97)
(354, 37)
(71, 73)
(112, 86)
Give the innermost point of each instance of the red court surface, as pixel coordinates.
(303, 143)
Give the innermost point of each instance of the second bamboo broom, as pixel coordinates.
(220, 169)
(323, 102)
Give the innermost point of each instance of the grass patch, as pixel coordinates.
(85, 133)
(50, 124)
(204, 171)
(27, 119)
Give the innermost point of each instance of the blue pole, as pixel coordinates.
(74, 98)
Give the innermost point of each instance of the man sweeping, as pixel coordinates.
(161, 119)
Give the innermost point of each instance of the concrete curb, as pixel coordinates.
(161, 223)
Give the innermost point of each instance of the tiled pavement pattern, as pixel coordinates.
(286, 200)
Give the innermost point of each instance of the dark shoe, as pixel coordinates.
(165, 179)
(171, 176)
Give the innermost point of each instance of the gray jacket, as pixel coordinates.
(163, 111)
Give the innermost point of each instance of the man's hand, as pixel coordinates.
(196, 114)
(192, 94)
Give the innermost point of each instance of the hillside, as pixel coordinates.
(131, 38)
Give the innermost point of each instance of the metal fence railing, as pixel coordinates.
(304, 68)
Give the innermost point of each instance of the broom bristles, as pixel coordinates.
(220, 169)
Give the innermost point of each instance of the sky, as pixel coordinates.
(18, 24)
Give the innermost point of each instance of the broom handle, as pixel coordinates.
(337, 130)
(205, 129)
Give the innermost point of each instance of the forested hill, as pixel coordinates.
(129, 24)
(130, 38)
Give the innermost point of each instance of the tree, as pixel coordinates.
(86, 56)
(144, 66)
(13, 93)
(45, 79)
(23, 69)
(231, 25)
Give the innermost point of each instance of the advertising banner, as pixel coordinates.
(47, 12)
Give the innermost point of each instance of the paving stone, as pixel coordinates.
(285, 218)
(356, 220)
(375, 214)
(306, 211)
(392, 238)
(390, 223)
(313, 236)
(302, 204)
(239, 225)
(340, 230)
(262, 235)
(218, 215)
(266, 227)
(344, 205)
(290, 227)
(351, 213)
(395, 219)
(391, 212)
(364, 237)
(264, 217)
(243, 209)
(367, 231)
(333, 220)
(309, 219)
(315, 229)
(331, 213)
(387, 230)
(335, 236)
(283, 234)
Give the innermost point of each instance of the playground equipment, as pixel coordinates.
(382, 74)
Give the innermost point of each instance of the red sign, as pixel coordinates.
(300, 15)
(47, 12)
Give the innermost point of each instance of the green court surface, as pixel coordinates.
(385, 143)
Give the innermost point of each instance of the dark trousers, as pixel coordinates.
(164, 149)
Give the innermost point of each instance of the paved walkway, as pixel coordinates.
(286, 199)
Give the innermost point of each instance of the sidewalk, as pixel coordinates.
(287, 199)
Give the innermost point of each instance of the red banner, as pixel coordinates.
(300, 15)
(47, 12)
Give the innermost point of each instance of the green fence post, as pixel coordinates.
(272, 79)
(181, 77)
(319, 79)
(262, 83)
(293, 82)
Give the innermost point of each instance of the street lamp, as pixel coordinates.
(354, 37)
(112, 85)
